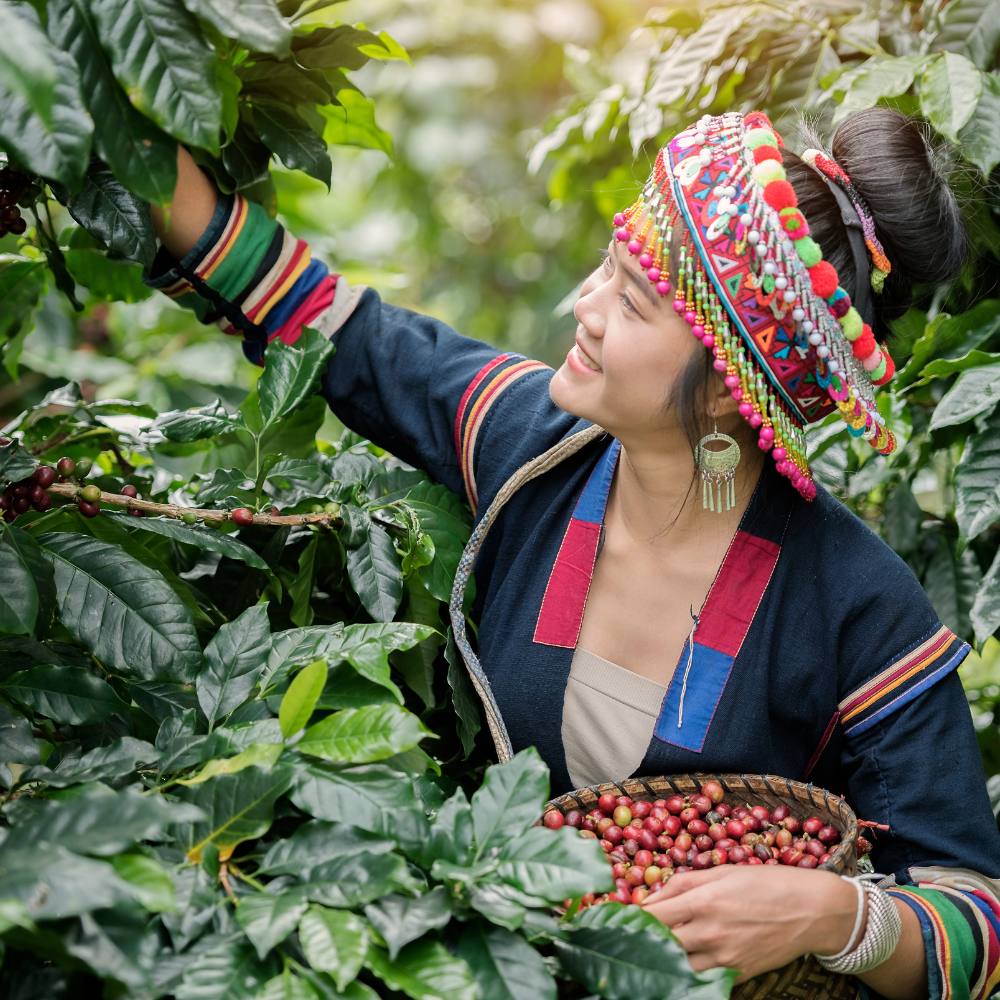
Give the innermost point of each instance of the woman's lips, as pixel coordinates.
(581, 363)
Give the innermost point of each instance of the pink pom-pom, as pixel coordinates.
(622, 235)
(679, 306)
(653, 274)
(697, 330)
(745, 410)
(663, 287)
(634, 247)
(690, 316)
(619, 219)
(872, 361)
(646, 260)
(755, 420)
(779, 453)
(732, 381)
(719, 364)
(737, 394)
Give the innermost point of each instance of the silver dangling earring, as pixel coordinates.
(718, 470)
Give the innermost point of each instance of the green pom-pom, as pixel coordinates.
(767, 171)
(851, 324)
(808, 250)
(878, 280)
(880, 371)
(759, 137)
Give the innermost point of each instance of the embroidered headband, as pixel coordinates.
(755, 289)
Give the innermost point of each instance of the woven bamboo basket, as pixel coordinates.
(805, 978)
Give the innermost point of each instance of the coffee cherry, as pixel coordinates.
(9, 214)
(588, 824)
(653, 874)
(826, 857)
(717, 832)
(688, 814)
(21, 489)
(756, 861)
(658, 813)
(83, 466)
(624, 800)
(622, 814)
(17, 227)
(606, 803)
(783, 839)
(792, 825)
(674, 804)
(190, 517)
(816, 848)
(574, 818)
(672, 825)
(662, 861)
(808, 861)
(618, 870)
(778, 813)
(697, 827)
(36, 493)
(648, 840)
(702, 861)
(641, 810)
(606, 846)
(702, 803)
(653, 825)
(735, 829)
(761, 813)
(631, 832)
(65, 466)
(620, 896)
(614, 834)
(631, 848)
(713, 791)
(677, 856)
(753, 824)
(684, 841)
(725, 844)
(242, 516)
(553, 819)
(813, 825)
(737, 854)
(603, 825)
(43, 504)
(636, 876)
(724, 810)
(20, 505)
(129, 491)
(91, 493)
(664, 842)
(763, 852)
(9, 515)
(5, 501)
(741, 812)
(588, 835)
(88, 509)
(828, 835)
(44, 476)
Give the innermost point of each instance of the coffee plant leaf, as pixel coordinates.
(510, 800)
(554, 865)
(463, 697)
(17, 744)
(233, 662)
(950, 337)
(148, 881)
(300, 699)
(67, 695)
(335, 942)
(290, 374)
(351, 122)
(162, 700)
(977, 480)
(985, 613)
(495, 904)
(980, 136)
(229, 971)
(286, 81)
(504, 965)
(423, 970)
(235, 738)
(971, 27)
(400, 919)
(291, 139)
(268, 919)
(451, 832)
(288, 986)
(263, 755)
(28, 589)
(951, 582)
(976, 391)
(123, 612)
(57, 148)
(116, 760)
(339, 47)
(257, 24)
(15, 462)
(355, 879)
(446, 519)
(363, 735)
(197, 424)
(163, 62)
(943, 367)
(316, 842)
(373, 568)
(236, 807)
(300, 589)
(27, 68)
(949, 92)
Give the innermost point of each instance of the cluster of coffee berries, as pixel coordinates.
(12, 187)
(648, 842)
(18, 497)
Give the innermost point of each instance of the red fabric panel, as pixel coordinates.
(561, 614)
(320, 298)
(733, 599)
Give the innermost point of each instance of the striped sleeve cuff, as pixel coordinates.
(249, 275)
(961, 931)
(901, 681)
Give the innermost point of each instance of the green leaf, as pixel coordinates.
(26, 583)
(115, 216)
(401, 920)
(264, 755)
(15, 462)
(27, 68)
(901, 519)
(977, 479)
(444, 517)
(104, 276)
(57, 148)
(951, 337)
(554, 865)
(944, 367)
(164, 63)
(971, 27)
(229, 971)
(510, 800)
(228, 740)
(233, 662)
(949, 92)
(951, 584)
(122, 611)
(288, 987)
(116, 760)
(300, 699)
(194, 425)
(504, 965)
(985, 613)
(316, 842)
(976, 390)
(148, 880)
(291, 139)
(334, 48)
(451, 833)
(290, 374)
(463, 696)
(257, 24)
(878, 78)
(495, 903)
(222, 483)
(141, 156)
(373, 569)
(67, 695)
(17, 745)
(163, 700)
(285, 81)
(334, 941)
(363, 735)
(624, 953)
(424, 970)
(351, 122)
(300, 589)
(370, 797)
(980, 136)
(237, 807)
(353, 880)
(268, 919)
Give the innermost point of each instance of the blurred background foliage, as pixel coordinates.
(518, 131)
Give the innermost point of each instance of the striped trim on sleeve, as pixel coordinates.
(899, 683)
(248, 275)
(479, 398)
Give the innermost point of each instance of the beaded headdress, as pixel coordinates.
(754, 287)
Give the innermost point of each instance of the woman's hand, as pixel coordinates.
(188, 215)
(756, 920)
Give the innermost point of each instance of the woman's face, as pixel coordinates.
(631, 347)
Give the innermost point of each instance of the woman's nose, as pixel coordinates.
(588, 312)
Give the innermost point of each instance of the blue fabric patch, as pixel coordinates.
(705, 683)
(594, 498)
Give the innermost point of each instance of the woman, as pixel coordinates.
(632, 623)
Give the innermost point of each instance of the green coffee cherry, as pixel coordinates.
(189, 517)
(91, 493)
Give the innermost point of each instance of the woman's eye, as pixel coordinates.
(627, 303)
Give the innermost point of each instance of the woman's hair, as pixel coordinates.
(916, 219)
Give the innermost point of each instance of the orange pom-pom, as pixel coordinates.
(779, 195)
(824, 279)
(890, 368)
(762, 153)
(865, 344)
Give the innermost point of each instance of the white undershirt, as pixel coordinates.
(608, 718)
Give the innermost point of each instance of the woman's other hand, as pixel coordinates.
(189, 214)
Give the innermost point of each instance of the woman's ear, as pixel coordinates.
(720, 398)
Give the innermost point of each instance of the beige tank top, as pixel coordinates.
(608, 718)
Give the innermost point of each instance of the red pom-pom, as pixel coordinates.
(824, 279)
(756, 118)
(779, 195)
(865, 344)
(890, 368)
(762, 153)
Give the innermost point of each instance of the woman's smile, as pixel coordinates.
(581, 362)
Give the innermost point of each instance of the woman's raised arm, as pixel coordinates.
(195, 198)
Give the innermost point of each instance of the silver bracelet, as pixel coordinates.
(882, 932)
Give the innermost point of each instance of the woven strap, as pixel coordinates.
(531, 470)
